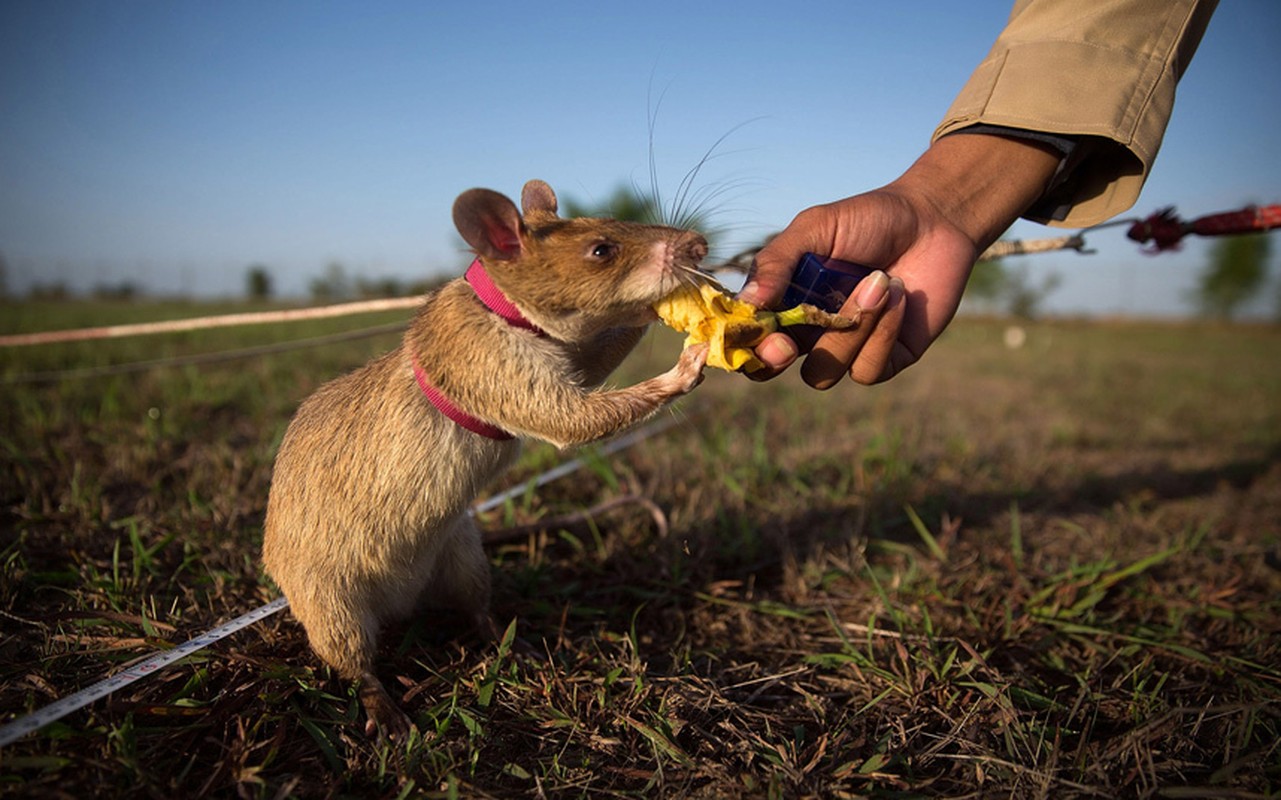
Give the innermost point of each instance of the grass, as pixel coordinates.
(1045, 572)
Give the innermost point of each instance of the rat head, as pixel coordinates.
(575, 277)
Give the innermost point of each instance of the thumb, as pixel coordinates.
(773, 266)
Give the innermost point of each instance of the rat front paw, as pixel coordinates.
(688, 371)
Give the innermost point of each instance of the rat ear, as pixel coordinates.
(490, 223)
(538, 199)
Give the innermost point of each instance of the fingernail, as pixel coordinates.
(748, 293)
(873, 289)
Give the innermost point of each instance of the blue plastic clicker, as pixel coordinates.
(823, 281)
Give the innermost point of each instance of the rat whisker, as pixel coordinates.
(687, 182)
(652, 121)
(696, 215)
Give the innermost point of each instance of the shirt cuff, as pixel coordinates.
(1066, 146)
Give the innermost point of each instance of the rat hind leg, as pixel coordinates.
(347, 640)
(384, 716)
(461, 579)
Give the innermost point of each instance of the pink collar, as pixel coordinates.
(493, 299)
(446, 407)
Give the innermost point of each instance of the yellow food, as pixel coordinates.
(707, 313)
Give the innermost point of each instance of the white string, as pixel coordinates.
(199, 358)
(202, 323)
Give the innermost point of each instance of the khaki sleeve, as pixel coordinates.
(1103, 72)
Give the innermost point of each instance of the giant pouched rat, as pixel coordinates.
(368, 512)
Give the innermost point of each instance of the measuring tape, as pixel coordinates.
(36, 720)
(57, 710)
(561, 470)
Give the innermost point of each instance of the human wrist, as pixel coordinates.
(979, 183)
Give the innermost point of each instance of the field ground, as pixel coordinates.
(1050, 571)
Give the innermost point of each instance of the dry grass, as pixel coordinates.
(1048, 572)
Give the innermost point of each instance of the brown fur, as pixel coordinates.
(367, 516)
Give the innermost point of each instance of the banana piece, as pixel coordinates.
(707, 313)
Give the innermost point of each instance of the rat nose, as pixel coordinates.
(693, 246)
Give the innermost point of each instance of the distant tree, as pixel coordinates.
(118, 292)
(49, 291)
(427, 285)
(1276, 313)
(987, 281)
(624, 203)
(1023, 299)
(258, 284)
(1237, 269)
(1001, 289)
(379, 287)
(332, 286)
(4, 278)
(627, 204)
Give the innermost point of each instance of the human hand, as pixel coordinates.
(923, 233)
(884, 229)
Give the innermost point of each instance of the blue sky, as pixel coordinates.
(173, 144)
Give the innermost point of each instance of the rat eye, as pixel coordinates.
(604, 251)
